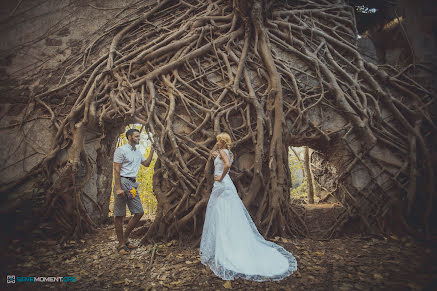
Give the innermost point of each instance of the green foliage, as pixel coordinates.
(297, 171)
(300, 192)
(145, 175)
(145, 178)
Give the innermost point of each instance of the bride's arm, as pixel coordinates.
(225, 159)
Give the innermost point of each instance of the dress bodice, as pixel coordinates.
(219, 165)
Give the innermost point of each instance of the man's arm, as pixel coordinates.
(117, 168)
(147, 162)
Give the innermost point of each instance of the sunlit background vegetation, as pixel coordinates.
(299, 188)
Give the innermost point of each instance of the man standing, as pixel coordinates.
(127, 161)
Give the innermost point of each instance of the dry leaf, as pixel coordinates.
(311, 277)
(118, 282)
(227, 285)
(71, 260)
(414, 286)
(171, 243)
(377, 276)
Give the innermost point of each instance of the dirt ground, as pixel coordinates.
(349, 263)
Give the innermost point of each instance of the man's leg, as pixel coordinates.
(131, 225)
(119, 214)
(135, 208)
(118, 223)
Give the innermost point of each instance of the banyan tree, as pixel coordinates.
(272, 74)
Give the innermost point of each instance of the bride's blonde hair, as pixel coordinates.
(226, 139)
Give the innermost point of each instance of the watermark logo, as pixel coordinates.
(11, 279)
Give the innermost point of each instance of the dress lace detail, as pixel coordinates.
(231, 245)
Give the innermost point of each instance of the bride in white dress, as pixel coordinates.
(231, 246)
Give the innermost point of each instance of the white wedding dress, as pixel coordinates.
(231, 245)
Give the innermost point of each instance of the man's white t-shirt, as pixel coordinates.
(129, 159)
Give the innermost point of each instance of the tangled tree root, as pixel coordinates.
(272, 75)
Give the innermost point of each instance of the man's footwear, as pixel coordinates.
(131, 245)
(123, 250)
